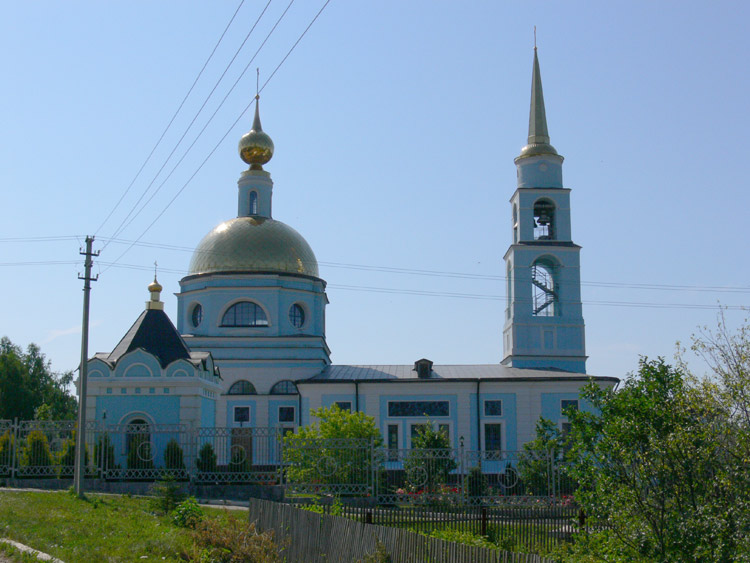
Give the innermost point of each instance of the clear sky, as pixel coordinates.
(395, 125)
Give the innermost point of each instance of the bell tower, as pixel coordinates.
(544, 326)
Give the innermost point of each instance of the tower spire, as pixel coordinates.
(538, 141)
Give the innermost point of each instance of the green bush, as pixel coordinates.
(187, 514)
(67, 459)
(6, 448)
(139, 452)
(166, 495)
(36, 452)
(173, 458)
(206, 461)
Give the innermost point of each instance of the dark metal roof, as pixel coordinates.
(154, 333)
(496, 372)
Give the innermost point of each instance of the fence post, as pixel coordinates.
(14, 448)
(462, 468)
(483, 530)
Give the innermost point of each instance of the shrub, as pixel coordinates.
(233, 541)
(139, 452)
(187, 514)
(6, 448)
(239, 462)
(36, 452)
(174, 461)
(67, 459)
(380, 555)
(206, 461)
(167, 494)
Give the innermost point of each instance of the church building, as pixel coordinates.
(249, 346)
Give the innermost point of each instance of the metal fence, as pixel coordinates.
(331, 467)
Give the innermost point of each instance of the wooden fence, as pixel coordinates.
(313, 537)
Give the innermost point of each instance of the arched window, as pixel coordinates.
(244, 313)
(241, 387)
(285, 387)
(515, 223)
(545, 292)
(509, 291)
(544, 220)
(297, 315)
(253, 203)
(197, 315)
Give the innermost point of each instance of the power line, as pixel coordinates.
(122, 226)
(182, 103)
(225, 134)
(200, 133)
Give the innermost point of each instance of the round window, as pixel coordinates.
(297, 316)
(197, 316)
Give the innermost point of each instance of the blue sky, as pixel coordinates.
(395, 125)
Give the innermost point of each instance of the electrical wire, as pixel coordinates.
(182, 103)
(200, 133)
(125, 223)
(242, 113)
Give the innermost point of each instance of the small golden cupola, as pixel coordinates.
(256, 147)
(155, 302)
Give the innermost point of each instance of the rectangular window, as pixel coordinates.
(493, 437)
(109, 390)
(286, 414)
(152, 390)
(166, 390)
(137, 390)
(493, 408)
(415, 429)
(242, 414)
(287, 430)
(344, 405)
(568, 404)
(123, 391)
(418, 408)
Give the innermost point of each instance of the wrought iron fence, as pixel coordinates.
(334, 467)
(237, 455)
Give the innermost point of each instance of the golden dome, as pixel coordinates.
(256, 147)
(254, 244)
(154, 286)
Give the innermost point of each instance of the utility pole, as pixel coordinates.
(80, 463)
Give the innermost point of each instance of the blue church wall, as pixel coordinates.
(208, 412)
(160, 409)
(540, 172)
(274, 294)
(508, 418)
(180, 368)
(526, 198)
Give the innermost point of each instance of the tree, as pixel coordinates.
(535, 464)
(206, 461)
(431, 459)
(27, 382)
(655, 465)
(174, 460)
(335, 450)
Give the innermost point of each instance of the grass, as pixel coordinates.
(99, 529)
